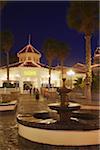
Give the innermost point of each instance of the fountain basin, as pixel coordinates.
(71, 106)
(8, 106)
(50, 131)
(65, 112)
(41, 115)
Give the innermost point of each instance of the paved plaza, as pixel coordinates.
(9, 139)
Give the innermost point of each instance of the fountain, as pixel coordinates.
(65, 108)
(40, 127)
(7, 102)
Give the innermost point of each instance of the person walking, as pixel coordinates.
(37, 95)
(30, 90)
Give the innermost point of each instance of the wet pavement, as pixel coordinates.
(9, 139)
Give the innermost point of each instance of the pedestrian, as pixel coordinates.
(27, 89)
(30, 90)
(37, 95)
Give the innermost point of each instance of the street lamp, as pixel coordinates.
(71, 73)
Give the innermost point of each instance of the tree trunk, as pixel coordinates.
(0, 58)
(88, 67)
(62, 69)
(7, 67)
(49, 75)
(62, 76)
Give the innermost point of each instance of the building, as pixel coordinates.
(29, 71)
(72, 73)
(96, 62)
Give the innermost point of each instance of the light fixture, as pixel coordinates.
(70, 73)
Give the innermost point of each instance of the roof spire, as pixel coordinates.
(29, 39)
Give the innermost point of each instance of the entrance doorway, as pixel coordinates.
(27, 85)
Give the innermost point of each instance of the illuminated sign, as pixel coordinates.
(29, 73)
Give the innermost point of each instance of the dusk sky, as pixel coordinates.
(43, 20)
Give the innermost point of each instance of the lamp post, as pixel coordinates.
(71, 73)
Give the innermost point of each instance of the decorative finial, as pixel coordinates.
(29, 40)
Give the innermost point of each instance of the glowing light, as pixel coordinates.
(70, 73)
(12, 82)
(28, 79)
(29, 73)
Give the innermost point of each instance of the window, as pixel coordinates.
(29, 58)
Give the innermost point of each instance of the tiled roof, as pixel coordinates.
(30, 64)
(26, 64)
(42, 65)
(17, 64)
(79, 65)
(95, 65)
(78, 70)
(21, 64)
(29, 48)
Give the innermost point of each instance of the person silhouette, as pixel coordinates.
(37, 94)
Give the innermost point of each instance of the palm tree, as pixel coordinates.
(79, 84)
(49, 49)
(13, 58)
(2, 4)
(95, 83)
(84, 17)
(63, 50)
(6, 42)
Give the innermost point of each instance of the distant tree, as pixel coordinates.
(79, 83)
(2, 5)
(13, 58)
(95, 83)
(49, 49)
(84, 17)
(6, 42)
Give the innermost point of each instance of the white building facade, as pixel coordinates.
(29, 71)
